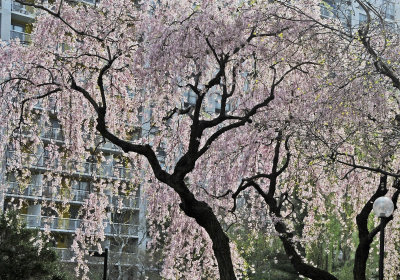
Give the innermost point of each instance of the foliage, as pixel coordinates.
(26, 253)
(264, 256)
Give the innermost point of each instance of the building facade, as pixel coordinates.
(352, 15)
(36, 199)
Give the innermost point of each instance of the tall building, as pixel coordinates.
(37, 198)
(351, 14)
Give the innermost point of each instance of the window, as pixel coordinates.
(18, 32)
(217, 104)
(18, 28)
(362, 18)
(389, 10)
(191, 98)
(327, 8)
(80, 185)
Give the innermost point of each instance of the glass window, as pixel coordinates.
(18, 28)
(80, 185)
(362, 18)
(192, 97)
(327, 8)
(390, 10)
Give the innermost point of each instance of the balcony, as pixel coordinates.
(121, 229)
(29, 190)
(26, 159)
(38, 191)
(92, 2)
(70, 225)
(81, 168)
(55, 224)
(71, 195)
(125, 201)
(23, 37)
(22, 9)
(79, 195)
(52, 133)
(102, 170)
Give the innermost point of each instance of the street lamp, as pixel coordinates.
(105, 256)
(383, 208)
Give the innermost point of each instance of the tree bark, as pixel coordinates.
(205, 217)
(364, 236)
(360, 261)
(304, 269)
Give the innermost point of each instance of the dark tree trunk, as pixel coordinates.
(205, 217)
(360, 260)
(304, 269)
(364, 235)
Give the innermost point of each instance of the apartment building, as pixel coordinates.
(352, 15)
(125, 228)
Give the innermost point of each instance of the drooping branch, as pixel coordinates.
(275, 210)
(199, 210)
(23, 102)
(100, 81)
(54, 88)
(354, 165)
(379, 62)
(57, 15)
(174, 111)
(250, 113)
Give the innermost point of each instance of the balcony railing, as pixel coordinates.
(59, 224)
(81, 168)
(38, 191)
(53, 133)
(121, 229)
(29, 190)
(24, 38)
(72, 195)
(56, 133)
(99, 169)
(125, 201)
(89, 1)
(70, 225)
(79, 195)
(22, 9)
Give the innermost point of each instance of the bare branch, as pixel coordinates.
(58, 15)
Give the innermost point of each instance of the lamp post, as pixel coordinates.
(105, 256)
(383, 208)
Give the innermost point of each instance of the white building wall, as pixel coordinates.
(5, 19)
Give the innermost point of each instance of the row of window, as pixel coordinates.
(329, 8)
(191, 98)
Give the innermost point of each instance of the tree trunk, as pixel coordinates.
(205, 217)
(304, 269)
(360, 261)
